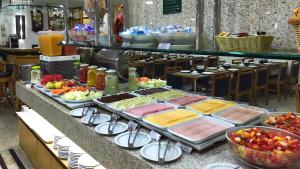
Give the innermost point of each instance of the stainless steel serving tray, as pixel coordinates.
(217, 114)
(198, 147)
(198, 141)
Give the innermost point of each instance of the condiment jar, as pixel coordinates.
(76, 71)
(83, 73)
(91, 80)
(132, 79)
(35, 74)
(100, 78)
(111, 82)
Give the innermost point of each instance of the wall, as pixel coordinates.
(8, 18)
(237, 16)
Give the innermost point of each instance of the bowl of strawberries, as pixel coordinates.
(265, 147)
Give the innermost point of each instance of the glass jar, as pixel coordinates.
(35, 74)
(100, 78)
(76, 71)
(91, 80)
(132, 79)
(111, 82)
(83, 73)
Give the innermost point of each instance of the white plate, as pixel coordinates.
(103, 128)
(141, 139)
(208, 73)
(150, 152)
(195, 74)
(185, 71)
(87, 161)
(221, 166)
(102, 118)
(252, 66)
(78, 112)
(233, 69)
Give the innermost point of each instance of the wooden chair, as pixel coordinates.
(243, 85)
(197, 61)
(8, 78)
(298, 98)
(183, 63)
(212, 61)
(261, 80)
(237, 61)
(158, 68)
(292, 79)
(221, 85)
(278, 82)
(174, 81)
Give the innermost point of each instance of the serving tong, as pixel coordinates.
(93, 117)
(130, 144)
(162, 160)
(84, 113)
(112, 123)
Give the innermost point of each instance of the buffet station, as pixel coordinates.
(147, 123)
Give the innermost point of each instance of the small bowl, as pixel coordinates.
(260, 159)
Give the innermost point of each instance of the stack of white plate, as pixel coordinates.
(75, 153)
(87, 162)
(63, 146)
(55, 140)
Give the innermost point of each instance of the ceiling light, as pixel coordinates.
(149, 2)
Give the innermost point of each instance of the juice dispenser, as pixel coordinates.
(49, 42)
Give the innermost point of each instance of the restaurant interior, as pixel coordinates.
(152, 84)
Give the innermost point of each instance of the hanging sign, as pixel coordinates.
(172, 6)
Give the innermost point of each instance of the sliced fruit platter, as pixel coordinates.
(265, 147)
(287, 121)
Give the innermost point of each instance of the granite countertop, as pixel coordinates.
(104, 149)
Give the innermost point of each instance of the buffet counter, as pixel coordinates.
(103, 149)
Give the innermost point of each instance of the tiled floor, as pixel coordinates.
(9, 127)
(9, 139)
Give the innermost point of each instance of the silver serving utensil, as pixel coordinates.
(163, 159)
(112, 123)
(82, 113)
(130, 144)
(92, 118)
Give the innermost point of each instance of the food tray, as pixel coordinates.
(164, 99)
(164, 112)
(223, 123)
(58, 99)
(198, 147)
(112, 108)
(163, 88)
(169, 101)
(141, 117)
(236, 122)
(101, 103)
(189, 107)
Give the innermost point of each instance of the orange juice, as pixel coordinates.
(49, 41)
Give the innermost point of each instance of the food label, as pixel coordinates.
(133, 124)
(184, 148)
(126, 44)
(164, 45)
(156, 136)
